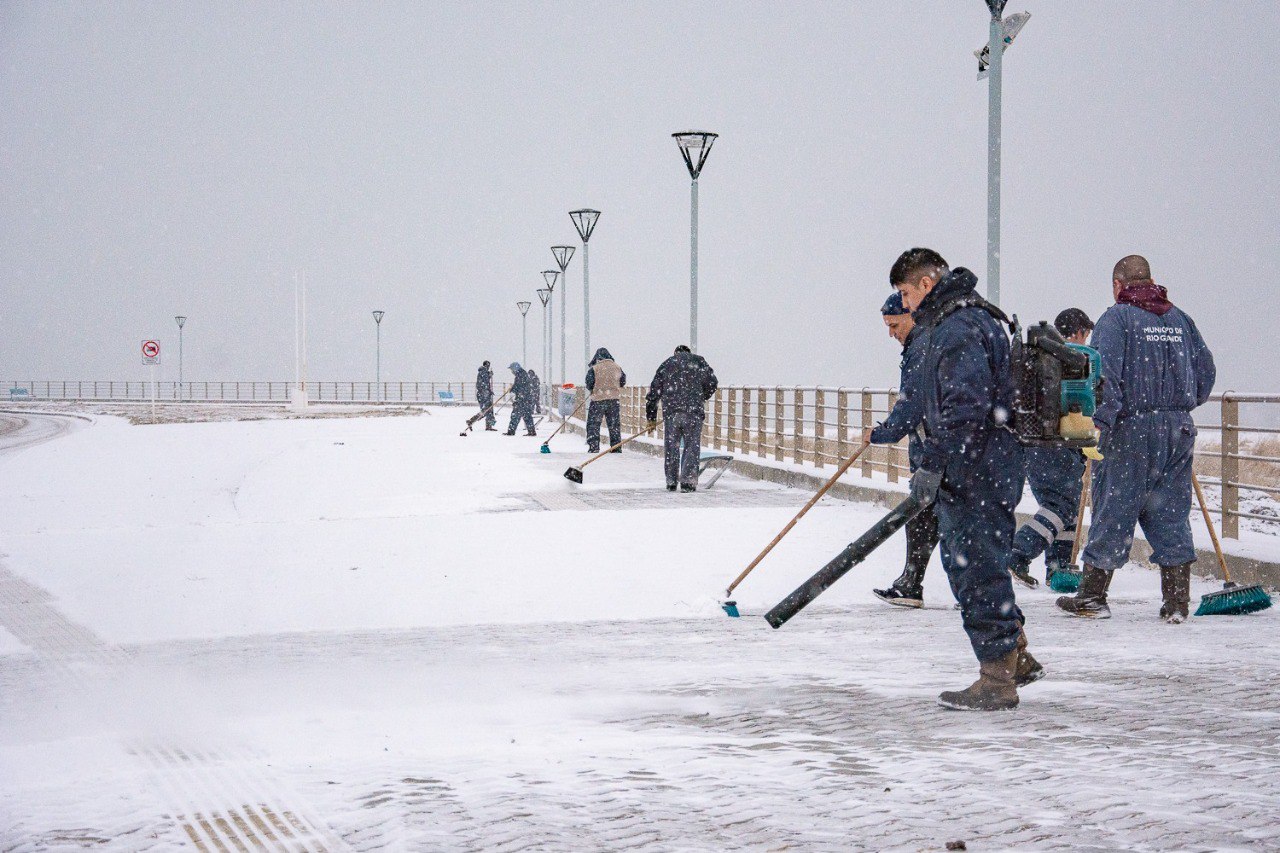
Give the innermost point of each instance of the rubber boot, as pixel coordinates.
(907, 590)
(1029, 669)
(1175, 589)
(993, 691)
(1090, 600)
(1020, 570)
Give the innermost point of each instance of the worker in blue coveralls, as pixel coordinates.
(904, 420)
(484, 396)
(1055, 475)
(970, 465)
(1156, 368)
(682, 384)
(522, 408)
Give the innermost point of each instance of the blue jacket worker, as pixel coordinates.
(905, 420)
(970, 464)
(1055, 475)
(484, 395)
(605, 381)
(1155, 369)
(522, 408)
(537, 391)
(683, 384)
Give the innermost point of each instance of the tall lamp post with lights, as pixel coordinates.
(377, 322)
(584, 221)
(524, 333)
(181, 321)
(695, 145)
(544, 294)
(564, 254)
(551, 277)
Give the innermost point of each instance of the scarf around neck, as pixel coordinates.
(1147, 295)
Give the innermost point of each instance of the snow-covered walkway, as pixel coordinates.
(373, 634)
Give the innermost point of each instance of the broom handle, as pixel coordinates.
(813, 500)
(563, 424)
(475, 418)
(605, 453)
(1085, 483)
(1213, 534)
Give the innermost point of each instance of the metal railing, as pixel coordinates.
(1259, 476)
(245, 392)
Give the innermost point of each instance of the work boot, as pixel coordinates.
(906, 591)
(616, 450)
(995, 689)
(1175, 588)
(1020, 570)
(532, 432)
(510, 432)
(688, 487)
(1029, 669)
(671, 487)
(1090, 599)
(490, 429)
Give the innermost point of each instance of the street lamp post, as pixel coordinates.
(377, 321)
(524, 333)
(544, 294)
(551, 277)
(584, 221)
(182, 321)
(695, 145)
(563, 255)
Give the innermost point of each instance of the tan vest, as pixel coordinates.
(608, 381)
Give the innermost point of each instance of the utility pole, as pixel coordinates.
(551, 277)
(377, 320)
(584, 221)
(524, 333)
(544, 294)
(182, 321)
(695, 145)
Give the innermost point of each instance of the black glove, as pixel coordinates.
(924, 486)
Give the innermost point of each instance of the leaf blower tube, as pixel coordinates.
(852, 555)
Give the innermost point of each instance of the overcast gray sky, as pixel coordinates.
(188, 158)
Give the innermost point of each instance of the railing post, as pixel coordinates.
(717, 428)
(797, 424)
(779, 424)
(842, 425)
(1230, 467)
(866, 424)
(733, 418)
(762, 414)
(892, 452)
(819, 425)
(744, 438)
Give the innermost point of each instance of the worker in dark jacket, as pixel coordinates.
(484, 396)
(522, 408)
(970, 464)
(537, 391)
(1156, 368)
(683, 384)
(1055, 475)
(904, 420)
(605, 381)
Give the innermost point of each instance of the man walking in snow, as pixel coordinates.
(522, 408)
(904, 420)
(1155, 369)
(537, 391)
(484, 396)
(683, 384)
(605, 381)
(970, 465)
(1055, 476)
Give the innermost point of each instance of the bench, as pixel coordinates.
(445, 396)
(15, 393)
(707, 458)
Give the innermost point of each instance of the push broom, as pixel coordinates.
(574, 475)
(1067, 578)
(546, 445)
(471, 421)
(1233, 599)
(730, 606)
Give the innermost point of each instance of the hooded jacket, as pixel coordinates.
(484, 383)
(605, 379)
(683, 383)
(522, 388)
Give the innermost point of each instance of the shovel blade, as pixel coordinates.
(573, 475)
(544, 449)
(731, 607)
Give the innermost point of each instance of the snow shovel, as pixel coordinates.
(1067, 578)
(1233, 599)
(730, 606)
(546, 445)
(472, 420)
(853, 554)
(574, 475)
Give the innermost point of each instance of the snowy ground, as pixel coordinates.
(373, 634)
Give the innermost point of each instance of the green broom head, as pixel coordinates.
(1064, 577)
(545, 448)
(730, 607)
(1234, 600)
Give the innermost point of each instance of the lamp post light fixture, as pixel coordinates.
(182, 321)
(552, 277)
(377, 321)
(563, 255)
(544, 295)
(524, 333)
(584, 221)
(695, 145)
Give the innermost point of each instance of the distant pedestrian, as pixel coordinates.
(683, 384)
(905, 420)
(522, 408)
(484, 396)
(605, 381)
(537, 391)
(1156, 368)
(1055, 475)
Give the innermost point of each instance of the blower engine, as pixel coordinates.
(1056, 387)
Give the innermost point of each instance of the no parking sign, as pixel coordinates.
(150, 352)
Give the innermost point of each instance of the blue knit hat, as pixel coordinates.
(893, 305)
